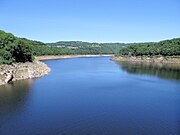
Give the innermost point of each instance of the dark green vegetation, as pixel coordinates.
(79, 47)
(14, 49)
(162, 48)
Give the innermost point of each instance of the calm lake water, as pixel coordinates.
(94, 96)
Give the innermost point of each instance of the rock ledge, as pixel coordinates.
(20, 71)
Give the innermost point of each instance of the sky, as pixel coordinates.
(91, 20)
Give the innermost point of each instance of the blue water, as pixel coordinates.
(92, 96)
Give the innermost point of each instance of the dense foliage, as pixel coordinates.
(73, 48)
(13, 49)
(163, 48)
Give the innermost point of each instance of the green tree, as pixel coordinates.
(21, 51)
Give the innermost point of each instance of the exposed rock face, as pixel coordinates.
(19, 71)
(147, 59)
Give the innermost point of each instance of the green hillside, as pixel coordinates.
(80, 47)
(162, 48)
(15, 49)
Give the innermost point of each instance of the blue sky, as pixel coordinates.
(91, 20)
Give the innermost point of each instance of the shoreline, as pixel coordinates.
(53, 57)
(30, 70)
(22, 71)
(146, 59)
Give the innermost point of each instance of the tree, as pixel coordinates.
(21, 51)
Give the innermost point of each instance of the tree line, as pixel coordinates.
(162, 48)
(14, 49)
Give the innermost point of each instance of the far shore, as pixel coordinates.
(51, 57)
(156, 59)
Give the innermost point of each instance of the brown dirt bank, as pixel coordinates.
(51, 57)
(154, 59)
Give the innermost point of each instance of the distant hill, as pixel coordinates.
(86, 47)
(15, 49)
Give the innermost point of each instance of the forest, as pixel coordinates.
(162, 48)
(15, 49)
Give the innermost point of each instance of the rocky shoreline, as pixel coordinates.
(29, 70)
(20, 71)
(154, 59)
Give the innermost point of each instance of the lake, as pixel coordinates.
(94, 96)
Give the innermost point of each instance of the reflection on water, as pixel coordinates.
(93, 96)
(165, 71)
(12, 98)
